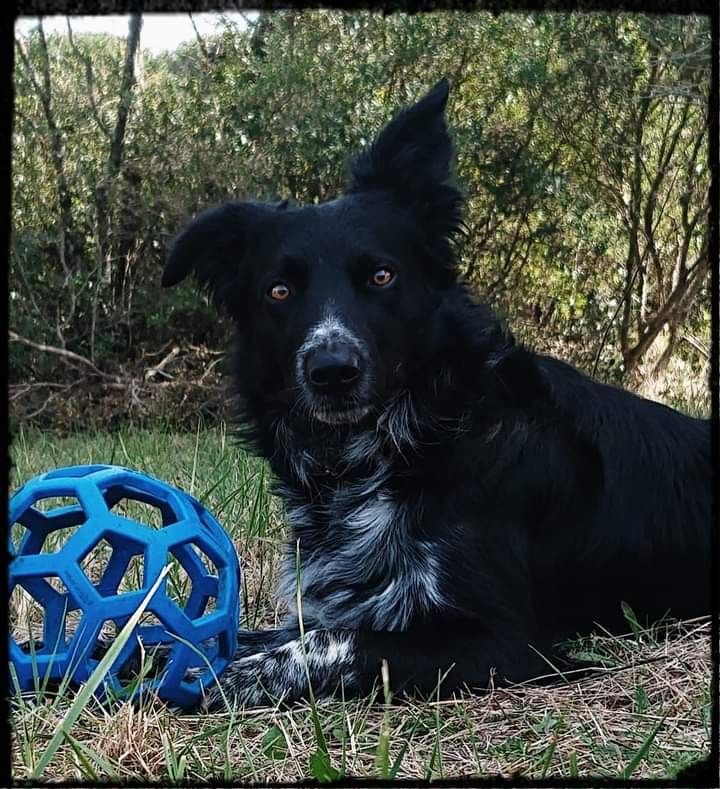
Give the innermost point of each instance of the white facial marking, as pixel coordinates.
(329, 329)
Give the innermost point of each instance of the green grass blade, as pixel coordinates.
(642, 751)
(94, 680)
(175, 767)
(392, 774)
(82, 758)
(438, 729)
(631, 618)
(99, 760)
(547, 757)
(574, 772)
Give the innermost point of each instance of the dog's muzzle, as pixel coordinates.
(333, 370)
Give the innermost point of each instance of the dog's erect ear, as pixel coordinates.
(212, 246)
(412, 154)
(411, 160)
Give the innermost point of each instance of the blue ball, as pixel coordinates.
(82, 565)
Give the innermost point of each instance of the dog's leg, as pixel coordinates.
(254, 642)
(325, 660)
(326, 657)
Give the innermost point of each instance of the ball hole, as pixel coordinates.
(17, 535)
(26, 618)
(96, 561)
(50, 503)
(179, 584)
(134, 576)
(210, 606)
(55, 519)
(114, 569)
(208, 563)
(140, 511)
(31, 626)
(148, 619)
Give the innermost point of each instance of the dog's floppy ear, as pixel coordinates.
(212, 245)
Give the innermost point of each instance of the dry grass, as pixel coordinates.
(589, 727)
(597, 724)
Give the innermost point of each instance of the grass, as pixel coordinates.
(647, 716)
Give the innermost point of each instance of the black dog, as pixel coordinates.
(459, 503)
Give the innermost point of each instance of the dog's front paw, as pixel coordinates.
(323, 661)
(241, 684)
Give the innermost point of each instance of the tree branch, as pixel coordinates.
(159, 368)
(201, 42)
(90, 79)
(69, 356)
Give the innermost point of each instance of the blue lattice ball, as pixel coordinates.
(86, 544)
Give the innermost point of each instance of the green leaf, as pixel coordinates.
(573, 765)
(632, 620)
(97, 758)
(87, 768)
(392, 774)
(547, 757)
(321, 769)
(274, 744)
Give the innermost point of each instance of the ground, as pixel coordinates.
(643, 711)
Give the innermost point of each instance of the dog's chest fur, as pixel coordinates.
(364, 558)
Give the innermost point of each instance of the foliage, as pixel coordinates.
(581, 145)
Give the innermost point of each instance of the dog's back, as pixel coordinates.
(640, 523)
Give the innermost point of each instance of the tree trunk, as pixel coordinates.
(68, 237)
(113, 266)
(673, 312)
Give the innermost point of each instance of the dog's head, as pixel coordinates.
(332, 302)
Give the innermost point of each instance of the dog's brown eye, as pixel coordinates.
(279, 292)
(383, 276)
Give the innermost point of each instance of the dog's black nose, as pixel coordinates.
(333, 371)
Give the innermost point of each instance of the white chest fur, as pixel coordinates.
(368, 569)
